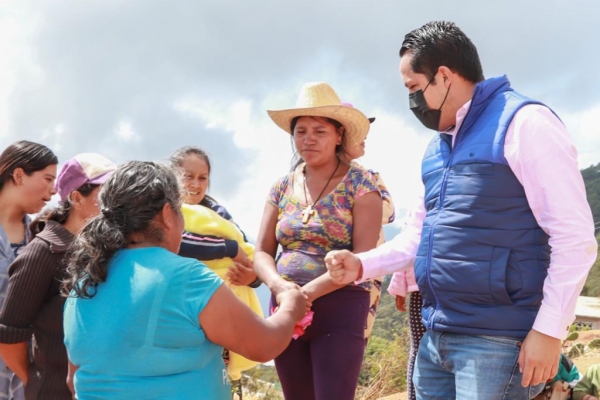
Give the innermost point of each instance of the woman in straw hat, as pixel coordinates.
(324, 204)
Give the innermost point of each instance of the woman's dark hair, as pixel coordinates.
(179, 156)
(129, 200)
(442, 43)
(58, 214)
(29, 156)
(340, 149)
(176, 161)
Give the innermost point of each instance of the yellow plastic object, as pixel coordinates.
(204, 221)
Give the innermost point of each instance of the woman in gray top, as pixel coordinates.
(27, 173)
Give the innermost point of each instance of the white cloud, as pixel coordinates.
(16, 58)
(209, 73)
(207, 110)
(125, 133)
(395, 150)
(584, 127)
(256, 134)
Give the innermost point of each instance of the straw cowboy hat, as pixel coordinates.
(318, 99)
(345, 103)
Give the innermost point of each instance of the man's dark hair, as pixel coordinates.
(442, 43)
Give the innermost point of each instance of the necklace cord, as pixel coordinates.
(325, 187)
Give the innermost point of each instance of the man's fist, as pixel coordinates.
(344, 267)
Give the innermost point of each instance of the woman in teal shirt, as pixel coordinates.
(142, 322)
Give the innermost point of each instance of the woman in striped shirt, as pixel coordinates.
(34, 305)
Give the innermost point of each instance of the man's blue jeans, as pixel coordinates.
(464, 367)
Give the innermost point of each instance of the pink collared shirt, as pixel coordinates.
(540, 153)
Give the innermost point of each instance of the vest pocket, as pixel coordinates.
(473, 169)
(498, 266)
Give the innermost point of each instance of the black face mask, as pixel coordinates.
(430, 118)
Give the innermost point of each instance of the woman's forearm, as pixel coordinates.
(16, 358)
(265, 268)
(228, 322)
(319, 287)
(71, 377)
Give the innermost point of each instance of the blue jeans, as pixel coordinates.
(464, 367)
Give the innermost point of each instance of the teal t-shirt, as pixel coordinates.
(139, 336)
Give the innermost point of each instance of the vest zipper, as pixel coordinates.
(441, 203)
(430, 320)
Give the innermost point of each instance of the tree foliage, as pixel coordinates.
(592, 284)
(389, 322)
(591, 178)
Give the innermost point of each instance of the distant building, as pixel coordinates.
(587, 312)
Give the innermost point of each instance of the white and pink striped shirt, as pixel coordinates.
(540, 153)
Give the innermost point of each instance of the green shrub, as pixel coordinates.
(576, 350)
(594, 343)
(384, 367)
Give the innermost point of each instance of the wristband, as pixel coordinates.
(257, 282)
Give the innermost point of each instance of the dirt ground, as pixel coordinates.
(397, 396)
(589, 357)
(582, 363)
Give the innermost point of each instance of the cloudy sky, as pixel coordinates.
(138, 79)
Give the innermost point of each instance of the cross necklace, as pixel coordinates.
(309, 211)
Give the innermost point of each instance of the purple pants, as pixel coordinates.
(324, 363)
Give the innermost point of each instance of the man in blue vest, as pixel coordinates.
(502, 239)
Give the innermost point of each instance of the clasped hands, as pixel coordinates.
(290, 295)
(282, 288)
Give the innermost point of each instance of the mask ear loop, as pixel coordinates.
(430, 82)
(447, 91)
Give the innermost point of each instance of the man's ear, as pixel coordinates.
(446, 74)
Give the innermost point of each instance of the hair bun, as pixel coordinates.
(114, 216)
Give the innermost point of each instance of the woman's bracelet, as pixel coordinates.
(257, 282)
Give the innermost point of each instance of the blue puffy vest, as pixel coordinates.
(483, 258)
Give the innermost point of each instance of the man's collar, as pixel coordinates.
(460, 116)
